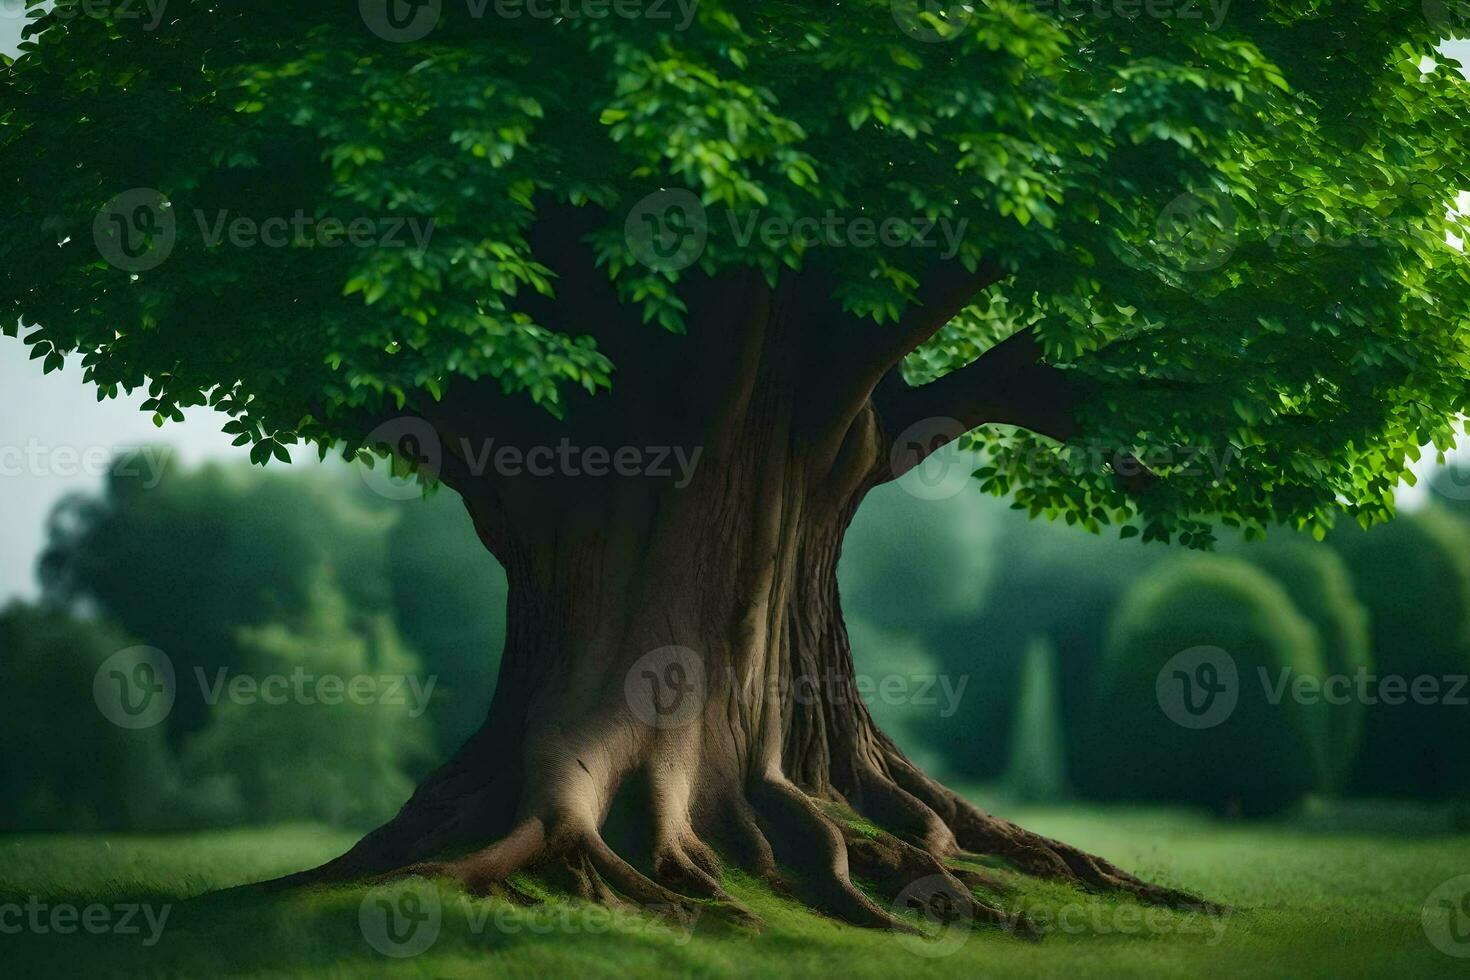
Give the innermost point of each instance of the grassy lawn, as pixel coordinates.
(1336, 894)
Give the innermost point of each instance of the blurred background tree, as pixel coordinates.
(67, 766)
(187, 563)
(448, 599)
(349, 760)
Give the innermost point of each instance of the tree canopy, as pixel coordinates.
(1216, 247)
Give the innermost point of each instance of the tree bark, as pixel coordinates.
(677, 686)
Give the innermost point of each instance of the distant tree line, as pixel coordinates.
(1351, 654)
(993, 648)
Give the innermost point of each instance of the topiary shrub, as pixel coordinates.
(1321, 588)
(1183, 710)
(1413, 575)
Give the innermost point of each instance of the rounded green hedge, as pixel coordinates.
(1413, 575)
(1187, 706)
(1319, 585)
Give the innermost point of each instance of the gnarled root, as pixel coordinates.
(818, 849)
(977, 833)
(581, 864)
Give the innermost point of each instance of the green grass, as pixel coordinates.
(1336, 895)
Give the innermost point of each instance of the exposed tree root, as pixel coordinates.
(816, 849)
(582, 865)
(978, 833)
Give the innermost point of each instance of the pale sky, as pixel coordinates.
(53, 430)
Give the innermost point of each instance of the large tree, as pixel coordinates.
(1100, 239)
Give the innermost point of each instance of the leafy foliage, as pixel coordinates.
(1057, 142)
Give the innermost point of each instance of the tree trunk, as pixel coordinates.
(677, 679)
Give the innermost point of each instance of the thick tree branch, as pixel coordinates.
(949, 288)
(1007, 385)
